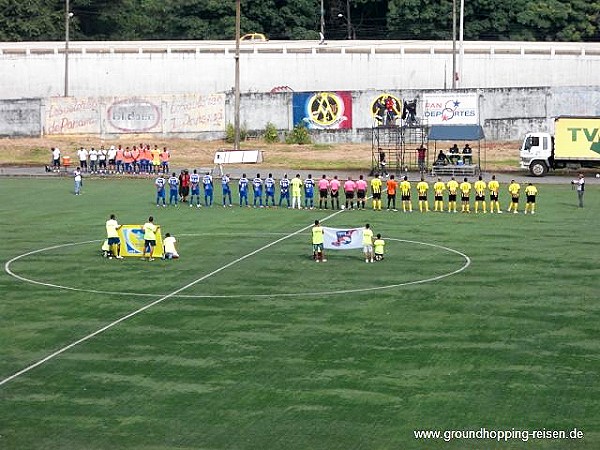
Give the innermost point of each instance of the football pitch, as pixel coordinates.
(471, 323)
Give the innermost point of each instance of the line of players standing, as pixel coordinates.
(291, 192)
(132, 161)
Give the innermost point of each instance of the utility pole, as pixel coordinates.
(236, 124)
(453, 44)
(67, 26)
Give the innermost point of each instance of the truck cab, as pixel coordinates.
(537, 153)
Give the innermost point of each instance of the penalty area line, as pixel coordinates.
(154, 303)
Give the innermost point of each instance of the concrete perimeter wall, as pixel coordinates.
(185, 88)
(504, 113)
(100, 69)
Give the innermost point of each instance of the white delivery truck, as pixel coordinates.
(576, 143)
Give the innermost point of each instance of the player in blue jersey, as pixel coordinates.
(226, 189)
(309, 192)
(207, 181)
(257, 185)
(243, 189)
(173, 189)
(160, 191)
(269, 190)
(195, 188)
(284, 190)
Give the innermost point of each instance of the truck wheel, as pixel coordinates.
(538, 168)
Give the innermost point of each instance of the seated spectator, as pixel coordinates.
(454, 152)
(441, 159)
(467, 154)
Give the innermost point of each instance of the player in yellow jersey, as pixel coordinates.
(422, 188)
(465, 194)
(530, 191)
(368, 243)
(405, 194)
(452, 190)
(438, 191)
(480, 195)
(378, 246)
(317, 242)
(494, 188)
(376, 192)
(515, 189)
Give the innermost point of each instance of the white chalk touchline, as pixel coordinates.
(156, 302)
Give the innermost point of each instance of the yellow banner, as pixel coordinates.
(577, 138)
(132, 241)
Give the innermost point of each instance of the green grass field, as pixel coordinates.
(266, 353)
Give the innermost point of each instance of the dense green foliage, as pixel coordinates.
(545, 20)
(244, 357)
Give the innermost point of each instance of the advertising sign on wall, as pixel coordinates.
(323, 110)
(451, 109)
(134, 115)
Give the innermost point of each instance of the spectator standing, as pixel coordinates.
(82, 154)
(56, 159)
(580, 186)
(421, 153)
(78, 180)
(93, 155)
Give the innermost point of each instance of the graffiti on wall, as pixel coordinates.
(68, 115)
(186, 113)
(194, 113)
(323, 110)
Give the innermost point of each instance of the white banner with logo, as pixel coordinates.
(343, 238)
(451, 109)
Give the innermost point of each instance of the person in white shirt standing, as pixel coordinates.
(78, 180)
(82, 153)
(580, 185)
(93, 154)
(56, 159)
(102, 153)
(112, 153)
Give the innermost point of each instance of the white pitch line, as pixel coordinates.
(156, 302)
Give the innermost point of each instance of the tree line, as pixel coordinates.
(527, 20)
